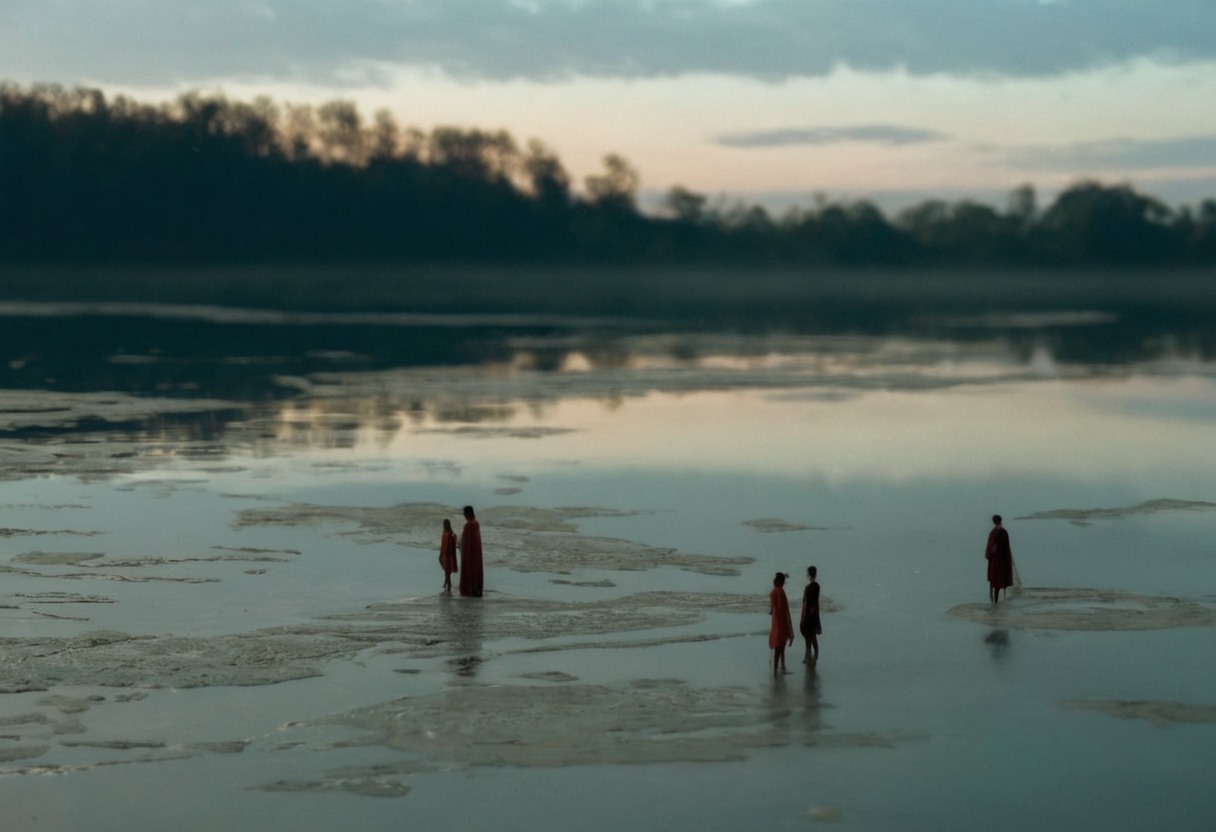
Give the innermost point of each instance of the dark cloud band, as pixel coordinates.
(162, 41)
(873, 133)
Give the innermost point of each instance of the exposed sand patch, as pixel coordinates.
(64, 598)
(235, 557)
(29, 752)
(772, 524)
(1084, 516)
(521, 538)
(57, 558)
(112, 659)
(550, 676)
(452, 628)
(1160, 713)
(6, 532)
(256, 550)
(364, 786)
(1088, 609)
(383, 780)
(423, 628)
(138, 579)
(114, 745)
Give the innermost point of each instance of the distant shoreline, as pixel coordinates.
(643, 291)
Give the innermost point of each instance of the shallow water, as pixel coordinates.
(230, 600)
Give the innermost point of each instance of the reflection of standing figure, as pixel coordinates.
(1000, 560)
(809, 624)
(447, 554)
(471, 576)
(782, 630)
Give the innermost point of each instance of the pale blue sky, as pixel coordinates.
(877, 98)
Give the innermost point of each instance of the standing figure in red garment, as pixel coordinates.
(781, 632)
(471, 576)
(447, 554)
(1000, 560)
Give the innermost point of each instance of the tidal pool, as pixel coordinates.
(222, 609)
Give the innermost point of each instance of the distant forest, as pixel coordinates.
(86, 179)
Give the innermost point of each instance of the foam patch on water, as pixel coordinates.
(521, 538)
(1088, 609)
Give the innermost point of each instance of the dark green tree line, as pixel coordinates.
(90, 179)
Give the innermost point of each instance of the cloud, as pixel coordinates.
(1122, 154)
(889, 134)
(175, 41)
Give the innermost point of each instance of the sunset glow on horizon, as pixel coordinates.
(769, 100)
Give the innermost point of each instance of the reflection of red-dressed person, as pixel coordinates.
(1000, 559)
(471, 576)
(447, 554)
(781, 632)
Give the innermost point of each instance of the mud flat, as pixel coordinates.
(1088, 609)
(525, 539)
(1158, 713)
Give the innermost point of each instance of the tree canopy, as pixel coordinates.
(89, 179)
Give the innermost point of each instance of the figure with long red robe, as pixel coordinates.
(471, 576)
(1000, 560)
(447, 554)
(781, 633)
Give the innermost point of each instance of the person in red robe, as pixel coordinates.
(471, 576)
(1000, 560)
(781, 632)
(447, 554)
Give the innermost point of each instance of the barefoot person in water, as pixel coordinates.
(447, 554)
(808, 623)
(1000, 560)
(781, 632)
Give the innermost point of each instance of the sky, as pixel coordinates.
(769, 101)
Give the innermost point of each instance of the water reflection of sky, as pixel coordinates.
(1130, 427)
(882, 457)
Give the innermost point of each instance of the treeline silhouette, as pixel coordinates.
(90, 179)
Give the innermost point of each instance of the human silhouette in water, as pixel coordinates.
(447, 554)
(781, 632)
(1000, 560)
(471, 576)
(808, 623)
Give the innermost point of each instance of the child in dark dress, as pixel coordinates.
(809, 624)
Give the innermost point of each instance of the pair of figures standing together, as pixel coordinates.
(781, 633)
(470, 568)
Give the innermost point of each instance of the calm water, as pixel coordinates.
(164, 490)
